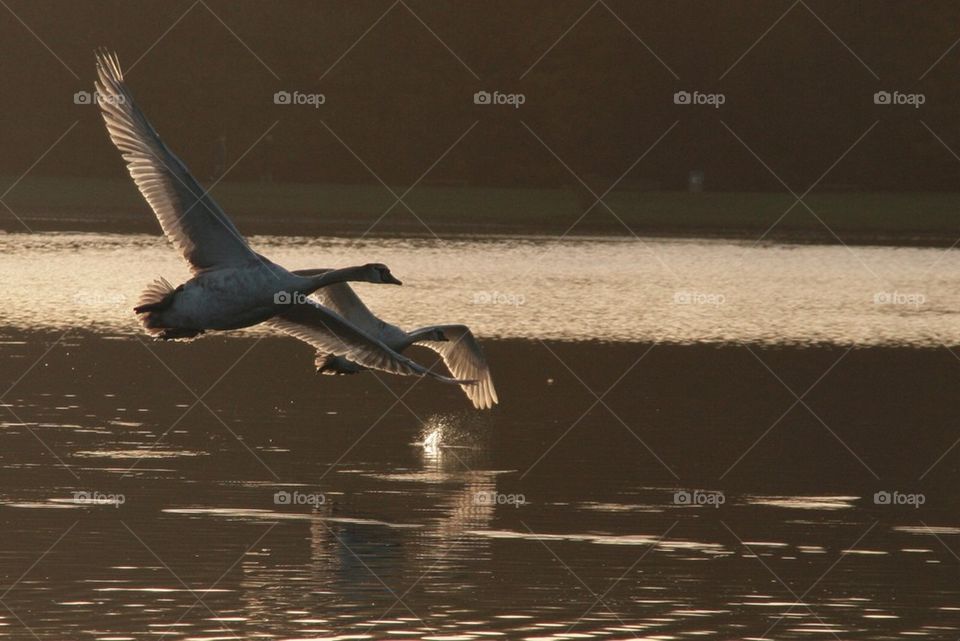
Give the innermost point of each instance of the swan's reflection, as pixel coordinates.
(352, 573)
(452, 455)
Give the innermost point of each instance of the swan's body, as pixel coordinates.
(232, 286)
(217, 299)
(454, 343)
(231, 297)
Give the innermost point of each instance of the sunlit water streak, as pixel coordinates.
(575, 289)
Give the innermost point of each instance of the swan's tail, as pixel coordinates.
(153, 300)
(155, 297)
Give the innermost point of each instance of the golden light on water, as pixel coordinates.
(612, 290)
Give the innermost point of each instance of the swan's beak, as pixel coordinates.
(391, 279)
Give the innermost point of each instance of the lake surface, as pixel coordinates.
(220, 490)
(680, 291)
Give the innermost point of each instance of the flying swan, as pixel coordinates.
(454, 343)
(232, 286)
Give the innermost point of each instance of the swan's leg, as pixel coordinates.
(331, 364)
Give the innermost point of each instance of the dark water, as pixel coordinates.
(553, 517)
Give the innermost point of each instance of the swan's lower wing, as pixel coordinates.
(190, 218)
(331, 334)
(463, 357)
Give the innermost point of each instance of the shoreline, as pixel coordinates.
(352, 230)
(922, 219)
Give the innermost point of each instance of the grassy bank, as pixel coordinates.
(81, 204)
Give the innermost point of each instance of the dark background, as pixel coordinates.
(599, 98)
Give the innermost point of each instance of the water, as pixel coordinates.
(577, 289)
(231, 493)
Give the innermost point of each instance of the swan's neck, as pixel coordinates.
(314, 282)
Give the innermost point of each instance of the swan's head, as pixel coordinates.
(380, 273)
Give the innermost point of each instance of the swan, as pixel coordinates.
(232, 286)
(454, 343)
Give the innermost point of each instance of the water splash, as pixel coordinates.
(432, 439)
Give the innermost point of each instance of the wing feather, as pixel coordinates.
(464, 358)
(189, 217)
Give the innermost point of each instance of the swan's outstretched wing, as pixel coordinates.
(190, 218)
(331, 334)
(463, 357)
